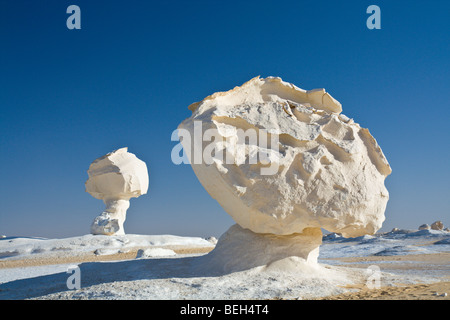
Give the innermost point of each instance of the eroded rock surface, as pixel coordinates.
(328, 172)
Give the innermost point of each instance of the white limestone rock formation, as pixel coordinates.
(116, 178)
(424, 227)
(320, 169)
(330, 170)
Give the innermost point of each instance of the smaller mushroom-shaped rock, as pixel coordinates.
(424, 227)
(116, 178)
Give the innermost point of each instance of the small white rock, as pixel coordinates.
(154, 252)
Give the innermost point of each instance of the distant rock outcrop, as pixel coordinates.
(437, 225)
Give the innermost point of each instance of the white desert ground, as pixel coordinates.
(412, 264)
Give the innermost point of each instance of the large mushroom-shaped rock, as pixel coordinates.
(115, 178)
(320, 169)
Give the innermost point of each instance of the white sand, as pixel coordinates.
(409, 260)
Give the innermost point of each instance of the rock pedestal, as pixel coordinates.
(241, 249)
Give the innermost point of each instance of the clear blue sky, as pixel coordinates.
(127, 77)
